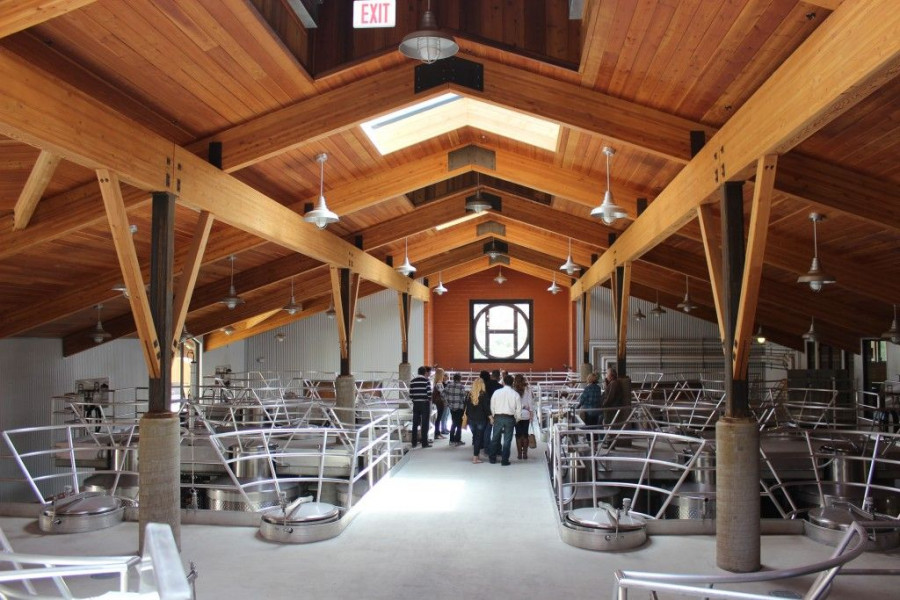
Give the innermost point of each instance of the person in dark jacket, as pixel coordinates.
(613, 396)
(591, 400)
(491, 384)
(477, 413)
(420, 394)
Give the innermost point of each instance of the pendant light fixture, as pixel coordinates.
(228, 330)
(292, 307)
(608, 211)
(639, 315)
(477, 203)
(815, 277)
(280, 337)
(440, 290)
(232, 300)
(185, 336)
(122, 289)
(657, 311)
(359, 316)
(893, 334)
(760, 336)
(427, 44)
(321, 216)
(554, 287)
(569, 267)
(330, 312)
(686, 305)
(500, 279)
(811, 335)
(99, 335)
(406, 269)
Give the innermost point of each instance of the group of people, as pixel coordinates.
(497, 407)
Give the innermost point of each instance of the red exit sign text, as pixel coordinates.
(374, 13)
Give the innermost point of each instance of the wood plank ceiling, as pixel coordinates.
(635, 75)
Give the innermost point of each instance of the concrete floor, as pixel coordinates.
(442, 528)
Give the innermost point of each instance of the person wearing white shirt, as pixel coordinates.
(506, 406)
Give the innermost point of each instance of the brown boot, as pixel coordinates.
(525, 448)
(520, 448)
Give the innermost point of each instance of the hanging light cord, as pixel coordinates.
(815, 241)
(321, 178)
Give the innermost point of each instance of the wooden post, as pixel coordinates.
(737, 401)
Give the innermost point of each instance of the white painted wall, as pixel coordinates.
(33, 370)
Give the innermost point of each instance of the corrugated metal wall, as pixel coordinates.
(32, 371)
(311, 344)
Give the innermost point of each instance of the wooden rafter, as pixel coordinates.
(157, 164)
(753, 263)
(712, 244)
(862, 35)
(19, 15)
(185, 288)
(34, 188)
(131, 269)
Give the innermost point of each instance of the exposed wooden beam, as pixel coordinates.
(753, 263)
(852, 54)
(185, 287)
(712, 246)
(45, 112)
(593, 35)
(339, 310)
(316, 118)
(622, 313)
(244, 329)
(131, 269)
(34, 188)
(18, 15)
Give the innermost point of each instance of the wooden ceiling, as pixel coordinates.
(638, 76)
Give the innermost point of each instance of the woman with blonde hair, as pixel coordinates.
(477, 411)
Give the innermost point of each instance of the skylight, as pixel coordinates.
(447, 112)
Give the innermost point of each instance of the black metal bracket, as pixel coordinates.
(450, 70)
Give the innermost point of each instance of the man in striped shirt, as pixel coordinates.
(420, 394)
(455, 396)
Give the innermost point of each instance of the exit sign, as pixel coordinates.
(374, 13)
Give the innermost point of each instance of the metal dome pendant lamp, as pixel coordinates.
(440, 290)
(98, 334)
(477, 203)
(427, 44)
(232, 300)
(554, 287)
(406, 269)
(639, 315)
(569, 267)
(686, 305)
(657, 311)
(608, 211)
(500, 279)
(321, 216)
(811, 335)
(815, 277)
(893, 334)
(292, 307)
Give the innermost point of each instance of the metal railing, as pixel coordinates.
(851, 546)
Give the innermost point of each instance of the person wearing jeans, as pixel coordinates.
(455, 398)
(506, 406)
(477, 412)
(420, 394)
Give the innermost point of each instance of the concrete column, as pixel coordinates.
(737, 495)
(586, 369)
(159, 473)
(406, 373)
(345, 394)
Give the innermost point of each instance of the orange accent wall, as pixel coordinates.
(552, 321)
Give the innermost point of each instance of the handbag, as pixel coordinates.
(465, 421)
(532, 441)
